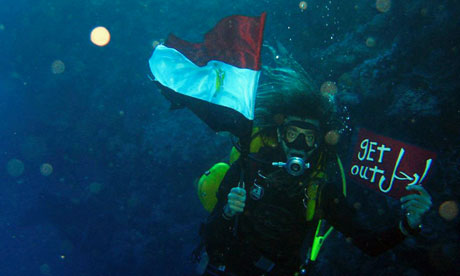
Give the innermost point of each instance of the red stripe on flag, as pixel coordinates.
(235, 40)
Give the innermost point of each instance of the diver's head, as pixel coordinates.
(298, 137)
(289, 102)
(301, 118)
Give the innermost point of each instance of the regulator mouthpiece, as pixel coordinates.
(294, 166)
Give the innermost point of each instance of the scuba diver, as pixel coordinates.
(293, 184)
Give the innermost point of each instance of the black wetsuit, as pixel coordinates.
(272, 230)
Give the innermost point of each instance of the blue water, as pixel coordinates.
(121, 198)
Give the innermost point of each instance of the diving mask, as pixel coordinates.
(300, 135)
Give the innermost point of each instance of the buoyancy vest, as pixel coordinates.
(209, 182)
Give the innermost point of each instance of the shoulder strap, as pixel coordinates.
(321, 234)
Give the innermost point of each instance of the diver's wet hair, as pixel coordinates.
(302, 104)
(287, 90)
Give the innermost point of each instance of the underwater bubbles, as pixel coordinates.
(303, 5)
(448, 210)
(46, 169)
(383, 5)
(328, 88)
(100, 36)
(332, 137)
(57, 67)
(15, 167)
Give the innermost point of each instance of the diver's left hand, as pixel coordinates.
(415, 205)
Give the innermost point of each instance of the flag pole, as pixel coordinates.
(245, 142)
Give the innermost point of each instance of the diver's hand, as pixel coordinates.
(415, 205)
(235, 202)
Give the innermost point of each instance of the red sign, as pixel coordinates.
(388, 165)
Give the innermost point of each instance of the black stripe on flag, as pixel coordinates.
(217, 117)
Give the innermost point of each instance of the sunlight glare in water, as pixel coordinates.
(15, 167)
(370, 42)
(303, 5)
(332, 137)
(100, 36)
(46, 169)
(328, 88)
(448, 210)
(383, 5)
(57, 67)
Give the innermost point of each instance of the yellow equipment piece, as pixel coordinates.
(312, 192)
(312, 188)
(320, 235)
(259, 139)
(209, 184)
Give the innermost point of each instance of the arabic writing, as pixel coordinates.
(372, 151)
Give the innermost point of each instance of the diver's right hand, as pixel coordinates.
(235, 202)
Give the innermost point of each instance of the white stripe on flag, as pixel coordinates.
(217, 82)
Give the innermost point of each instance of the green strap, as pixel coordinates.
(319, 239)
(342, 173)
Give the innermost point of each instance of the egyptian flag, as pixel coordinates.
(217, 79)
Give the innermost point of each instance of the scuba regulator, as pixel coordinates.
(298, 136)
(294, 166)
